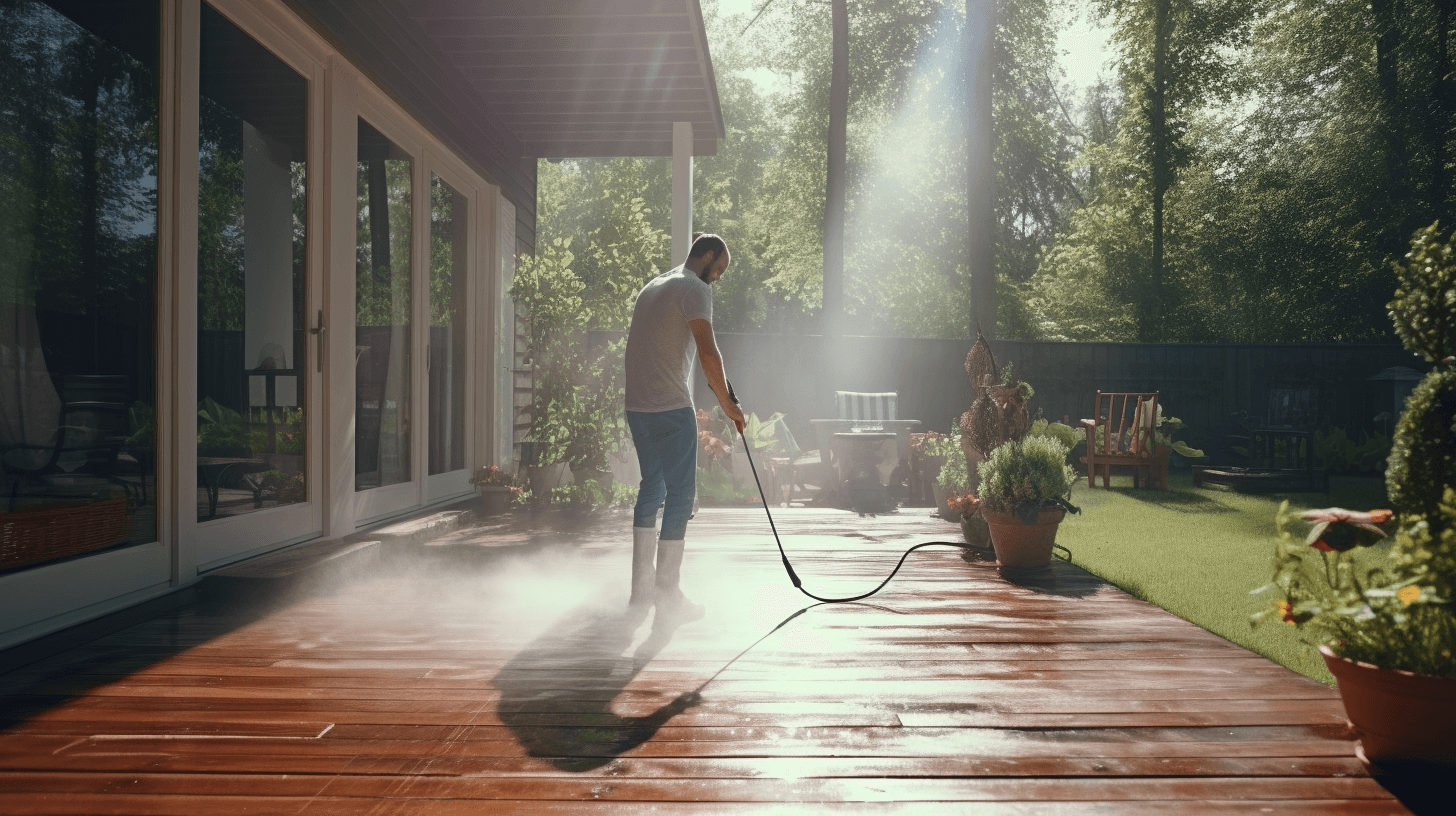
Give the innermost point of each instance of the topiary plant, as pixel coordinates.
(1422, 463)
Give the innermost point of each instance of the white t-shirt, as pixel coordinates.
(660, 343)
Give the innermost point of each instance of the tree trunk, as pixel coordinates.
(1387, 74)
(91, 208)
(1439, 123)
(379, 227)
(1150, 324)
(981, 166)
(834, 182)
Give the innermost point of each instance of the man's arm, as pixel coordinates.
(713, 369)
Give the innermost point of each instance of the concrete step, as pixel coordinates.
(413, 532)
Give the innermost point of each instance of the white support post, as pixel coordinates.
(682, 190)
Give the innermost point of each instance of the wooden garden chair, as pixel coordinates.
(1121, 433)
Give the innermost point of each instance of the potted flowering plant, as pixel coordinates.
(967, 507)
(1386, 627)
(497, 488)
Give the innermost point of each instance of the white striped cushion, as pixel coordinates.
(860, 405)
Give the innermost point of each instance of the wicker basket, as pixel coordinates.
(30, 536)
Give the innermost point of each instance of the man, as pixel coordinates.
(674, 313)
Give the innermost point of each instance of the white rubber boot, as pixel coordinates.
(644, 583)
(672, 605)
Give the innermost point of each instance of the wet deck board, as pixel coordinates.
(498, 675)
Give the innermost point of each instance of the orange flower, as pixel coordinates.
(1408, 595)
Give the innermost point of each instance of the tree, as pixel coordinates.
(1174, 58)
(834, 176)
(981, 196)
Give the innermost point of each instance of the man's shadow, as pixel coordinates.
(557, 692)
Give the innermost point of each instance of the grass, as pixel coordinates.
(1199, 552)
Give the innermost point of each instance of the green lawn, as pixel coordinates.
(1198, 552)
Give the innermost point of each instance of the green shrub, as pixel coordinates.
(1422, 462)
(1024, 476)
(954, 478)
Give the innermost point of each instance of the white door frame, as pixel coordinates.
(217, 542)
(451, 484)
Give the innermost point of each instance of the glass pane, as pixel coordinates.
(382, 341)
(448, 225)
(252, 351)
(78, 256)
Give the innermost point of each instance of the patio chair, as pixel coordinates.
(1121, 433)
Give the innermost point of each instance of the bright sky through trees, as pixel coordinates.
(1082, 42)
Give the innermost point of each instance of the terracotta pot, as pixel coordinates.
(975, 531)
(1396, 714)
(495, 499)
(1024, 545)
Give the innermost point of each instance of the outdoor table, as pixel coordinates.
(859, 469)
(210, 470)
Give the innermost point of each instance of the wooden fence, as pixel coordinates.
(1205, 385)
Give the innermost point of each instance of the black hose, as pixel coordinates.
(789, 568)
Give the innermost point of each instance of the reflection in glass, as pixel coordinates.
(78, 254)
(252, 364)
(447, 327)
(382, 364)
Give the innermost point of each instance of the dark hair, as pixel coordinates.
(706, 242)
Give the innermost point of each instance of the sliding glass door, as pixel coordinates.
(445, 357)
(256, 473)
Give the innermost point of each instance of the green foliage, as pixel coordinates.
(1341, 454)
(1424, 308)
(954, 478)
(623, 495)
(585, 495)
(1023, 476)
(1163, 429)
(221, 431)
(716, 486)
(1063, 434)
(939, 445)
(548, 293)
(1422, 463)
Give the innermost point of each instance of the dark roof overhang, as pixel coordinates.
(544, 78)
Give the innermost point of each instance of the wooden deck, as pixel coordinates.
(489, 676)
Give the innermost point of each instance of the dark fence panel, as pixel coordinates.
(1202, 384)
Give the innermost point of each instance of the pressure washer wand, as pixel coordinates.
(789, 568)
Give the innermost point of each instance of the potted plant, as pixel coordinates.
(954, 480)
(967, 507)
(1025, 484)
(497, 488)
(1386, 627)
